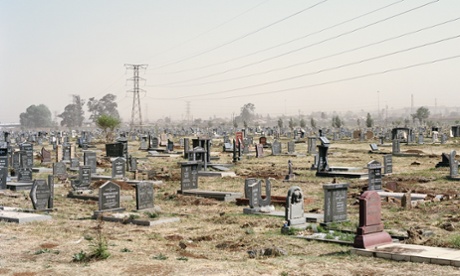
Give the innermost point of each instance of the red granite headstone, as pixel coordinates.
(370, 231)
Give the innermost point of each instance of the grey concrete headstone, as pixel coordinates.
(40, 194)
(375, 175)
(144, 195)
(335, 202)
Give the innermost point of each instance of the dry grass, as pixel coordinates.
(213, 237)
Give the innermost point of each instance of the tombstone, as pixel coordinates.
(406, 201)
(132, 164)
(370, 232)
(66, 152)
(45, 156)
(89, 159)
(374, 147)
(40, 194)
(144, 195)
(109, 197)
(335, 202)
(114, 150)
(3, 178)
(443, 138)
(311, 148)
(155, 142)
(381, 140)
(4, 157)
(16, 160)
(235, 158)
(163, 140)
(253, 191)
(27, 156)
(420, 138)
(276, 148)
(84, 179)
(263, 140)
(396, 147)
(375, 176)
(323, 164)
(25, 175)
(206, 145)
(239, 137)
(170, 146)
(118, 168)
(60, 170)
(245, 148)
(228, 147)
(387, 164)
(290, 175)
(291, 147)
(51, 186)
(144, 145)
(259, 150)
(453, 164)
(74, 163)
(189, 176)
(186, 148)
(294, 213)
(59, 155)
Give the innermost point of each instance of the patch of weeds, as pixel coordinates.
(160, 257)
(321, 229)
(291, 231)
(100, 247)
(125, 250)
(152, 214)
(79, 257)
(455, 241)
(133, 217)
(182, 259)
(284, 273)
(249, 231)
(330, 236)
(88, 238)
(41, 251)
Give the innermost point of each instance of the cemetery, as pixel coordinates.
(359, 210)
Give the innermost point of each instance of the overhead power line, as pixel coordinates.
(241, 37)
(315, 43)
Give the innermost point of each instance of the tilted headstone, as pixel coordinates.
(387, 164)
(374, 147)
(118, 168)
(189, 176)
(45, 156)
(109, 197)
(335, 202)
(40, 194)
(370, 232)
(375, 176)
(144, 195)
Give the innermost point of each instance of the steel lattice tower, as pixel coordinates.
(136, 114)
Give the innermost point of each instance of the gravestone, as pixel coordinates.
(259, 150)
(311, 148)
(114, 150)
(322, 162)
(445, 161)
(51, 186)
(27, 156)
(155, 142)
(60, 170)
(420, 138)
(16, 160)
(370, 232)
(453, 164)
(335, 202)
(66, 151)
(163, 140)
(84, 179)
(3, 178)
(118, 168)
(374, 147)
(89, 159)
(132, 164)
(443, 138)
(263, 140)
(109, 197)
(291, 147)
(290, 175)
(189, 176)
(4, 157)
(144, 145)
(45, 156)
(25, 175)
(170, 146)
(253, 191)
(375, 176)
(396, 147)
(74, 163)
(294, 212)
(406, 201)
(239, 137)
(186, 148)
(276, 148)
(144, 195)
(40, 194)
(387, 164)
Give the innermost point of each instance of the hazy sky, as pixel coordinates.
(287, 57)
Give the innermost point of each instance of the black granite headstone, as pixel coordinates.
(189, 175)
(144, 195)
(109, 196)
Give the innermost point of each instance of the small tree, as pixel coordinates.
(303, 124)
(421, 114)
(108, 123)
(369, 120)
(336, 121)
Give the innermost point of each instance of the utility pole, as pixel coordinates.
(136, 114)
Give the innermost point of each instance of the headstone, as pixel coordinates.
(16, 160)
(170, 146)
(163, 140)
(45, 156)
(406, 201)
(263, 140)
(84, 179)
(25, 175)
(114, 150)
(51, 186)
(276, 148)
(74, 163)
(294, 207)
(144, 145)
(155, 142)
(60, 170)
(239, 137)
(109, 197)
(28, 156)
(335, 202)
(375, 176)
(66, 151)
(396, 146)
(387, 164)
(443, 138)
(40, 194)
(189, 175)
(323, 163)
(4, 157)
(291, 147)
(118, 168)
(370, 232)
(374, 147)
(186, 148)
(311, 149)
(420, 138)
(89, 159)
(290, 175)
(144, 195)
(253, 191)
(453, 164)
(3, 178)
(132, 164)
(259, 150)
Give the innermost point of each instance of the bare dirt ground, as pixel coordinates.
(213, 237)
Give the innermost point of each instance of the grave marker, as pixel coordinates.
(387, 164)
(276, 148)
(45, 156)
(109, 197)
(396, 147)
(291, 147)
(259, 150)
(335, 202)
(118, 168)
(189, 176)
(89, 159)
(40, 194)
(60, 170)
(144, 195)
(3, 178)
(375, 176)
(294, 214)
(453, 164)
(25, 175)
